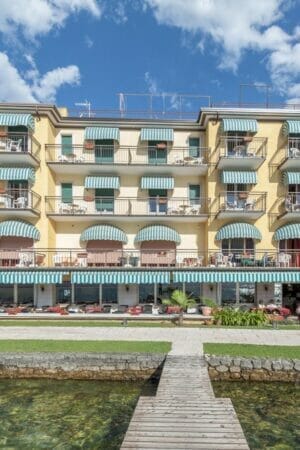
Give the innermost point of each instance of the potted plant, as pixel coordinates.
(247, 138)
(208, 306)
(161, 145)
(89, 145)
(180, 300)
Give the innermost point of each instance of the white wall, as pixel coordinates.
(44, 297)
(130, 297)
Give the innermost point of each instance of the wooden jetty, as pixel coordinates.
(184, 414)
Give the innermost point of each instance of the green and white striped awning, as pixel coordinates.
(157, 182)
(15, 120)
(102, 182)
(157, 233)
(101, 133)
(157, 134)
(239, 124)
(291, 178)
(103, 233)
(237, 277)
(17, 173)
(23, 277)
(238, 230)
(239, 177)
(291, 127)
(20, 229)
(291, 231)
(126, 277)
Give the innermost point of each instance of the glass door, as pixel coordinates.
(194, 144)
(158, 201)
(194, 194)
(17, 193)
(157, 152)
(104, 151)
(104, 200)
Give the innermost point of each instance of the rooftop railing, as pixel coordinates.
(19, 143)
(128, 155)
(138, 258)
(160, 206)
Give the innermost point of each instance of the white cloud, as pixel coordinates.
(151, 83)
(235, 26)
(37, 17)
(33, 87)
(88, 41)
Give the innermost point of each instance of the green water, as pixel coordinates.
(65, 415)
(269, 412)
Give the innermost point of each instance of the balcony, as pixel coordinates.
(20, 203)
(241, 152)
(289, 206)
(139, 159)
(176, 209)
(238, 205)
(154, 258)
(291, 159)
(19, 148)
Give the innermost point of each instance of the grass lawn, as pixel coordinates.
(84, 346)
(118, 323)
(249, 350)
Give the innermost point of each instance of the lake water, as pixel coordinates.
(65, 415)
(269, 412)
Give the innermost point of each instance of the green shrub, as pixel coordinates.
(232, 317)
(208, 302)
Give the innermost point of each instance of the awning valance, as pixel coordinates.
(20, 229)
(157, 233)
(17, 173)
(236, 277)
(291, 231)
(113, 277)
(101, 133)
(157, 182)
(239, 124)
(291, 178)
(238, 230)
(157, 134)
(291, 127)
(102, 182)
(103, 233)
(239, 177)
(15, 120)
(23, 277)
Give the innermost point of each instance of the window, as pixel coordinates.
(235, 197)
(158, 201)
(104, 151)
(67, 192)
(88, 293)
(157, 152)
(236, 144)
(194, 147)
(66, 145)
(237, 293)
(194, 194)
(104, 200)
(109, 293)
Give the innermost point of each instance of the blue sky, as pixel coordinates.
(65, 51)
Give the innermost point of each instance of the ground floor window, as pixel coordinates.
(109, 293)
(63, 293)
(6, 294)
(86, 293)
(25, 294)
(237, 293)
(146, 291)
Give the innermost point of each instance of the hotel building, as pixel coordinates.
(106, 210)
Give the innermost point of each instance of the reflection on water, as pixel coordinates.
(65, 415)
(269, 412)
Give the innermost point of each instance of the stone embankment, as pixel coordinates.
(82, 366)
(252, 369)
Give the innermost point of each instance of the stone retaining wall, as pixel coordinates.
(253, 369)
(82, 366)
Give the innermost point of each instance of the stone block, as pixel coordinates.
(246, 364)
(256, 363)
(234, 369)
(221, 368)
(277, 365)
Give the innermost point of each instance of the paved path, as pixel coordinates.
(185, 340)
(184, 414)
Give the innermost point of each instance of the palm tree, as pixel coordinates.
(181, 299)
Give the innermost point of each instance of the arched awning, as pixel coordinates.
(291, 231)
(15, 120)
(238, 230)
(103, 233)
(157, 233)
(19, 228)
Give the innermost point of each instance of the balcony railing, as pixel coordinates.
(242, 147)
(293, 148)
(245, 202)
(133, 258)
(157, 206)
(19, 143)
(290, 203)
(20, 199)
(128, 155)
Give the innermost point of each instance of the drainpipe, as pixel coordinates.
(15, 294)
(100, 295)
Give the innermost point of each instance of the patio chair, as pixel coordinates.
(16, 146)
(284, 260)
(197, 161)
(62, 158)
(80, 159)
(219, 259)
(178, 160)
(294, 152)
(231, 205)
(20, 202)
(65, 208)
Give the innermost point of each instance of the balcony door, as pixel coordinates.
(17, 189)
(236, 195)
(194, 194)
(158, 201)
(104, 200)
(194, 145)
(157, 152)
(66, 145)
(104, 151)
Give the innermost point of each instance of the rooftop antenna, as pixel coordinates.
(265, 87)
(86, 104)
